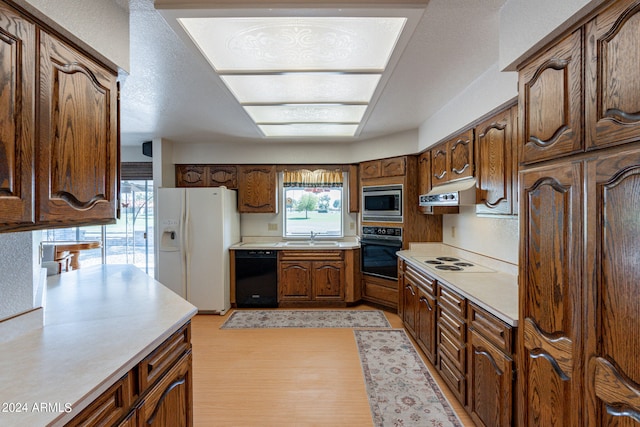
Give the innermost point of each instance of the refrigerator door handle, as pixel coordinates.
(186, 259)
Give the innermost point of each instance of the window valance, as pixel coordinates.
(309, 179)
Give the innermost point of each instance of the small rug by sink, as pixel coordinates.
(401, 390)
(249, 319)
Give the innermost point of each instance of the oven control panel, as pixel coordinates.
(394, 233)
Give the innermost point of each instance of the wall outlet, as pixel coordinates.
(272, 226)
(453, 231)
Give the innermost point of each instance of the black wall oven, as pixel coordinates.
(378, 251)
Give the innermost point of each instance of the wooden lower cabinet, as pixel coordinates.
(490, 371)
(156, 392)
(380, 291)
(169, 404)
(313, 277)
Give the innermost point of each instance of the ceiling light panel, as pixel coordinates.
(295, 43)
(309, 130)
(302, 87)
(306, 113)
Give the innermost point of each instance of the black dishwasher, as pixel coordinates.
(256, 278)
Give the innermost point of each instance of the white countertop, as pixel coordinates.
(99, 322)
(496, 292)
(297, 245)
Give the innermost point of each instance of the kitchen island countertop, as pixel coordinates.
(99, 323)
(496, 292)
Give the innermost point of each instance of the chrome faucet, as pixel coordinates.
(313, 236)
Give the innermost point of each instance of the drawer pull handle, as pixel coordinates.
(409, 287)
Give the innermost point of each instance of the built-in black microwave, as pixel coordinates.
(382, 203)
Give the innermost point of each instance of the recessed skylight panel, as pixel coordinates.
(302, 87)
(295, 43)
(306, 113)
(308, 130)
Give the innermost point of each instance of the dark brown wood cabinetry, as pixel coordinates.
(17, 106)
(490, 370)
(207, 176)
(311, 276)
(157, 392)
(550, 102)
(257, 189)
(71, 156)
(395, 166)
(452, 341)
(453, 159)
(579, 273)
(496, 164)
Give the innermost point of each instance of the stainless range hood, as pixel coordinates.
(456, 193)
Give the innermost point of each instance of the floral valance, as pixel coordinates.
(310, 179)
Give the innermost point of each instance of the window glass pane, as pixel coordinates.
(313, 209)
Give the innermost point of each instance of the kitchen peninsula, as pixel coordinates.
(113, 341)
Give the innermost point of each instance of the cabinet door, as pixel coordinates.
(354, 189)
(17, 103)
(426, 319)
(494, 146)
(409, 303)
(550, 305)
(77, 174)
(393, 167)
(169, 403)
(439, 165)
(461, 156)
(370, 169)
(257, 189)
(612, 81)
(613, 277)
(190, 176)
(424, 172)
(222, 175)
(328, 280)
(294, 280)
(490, 384)
(550, 102)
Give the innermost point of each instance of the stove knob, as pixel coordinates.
(382, 231)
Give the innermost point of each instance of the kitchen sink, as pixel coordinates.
(314, 244)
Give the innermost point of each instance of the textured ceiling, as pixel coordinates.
(171, 92)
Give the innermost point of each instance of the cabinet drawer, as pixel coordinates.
(497, 332)
(112, 405)
(311, 255)
(164, 357)
(381, 291)
(452, 348)
(454, 378)
(427, 283)
(452, 302)
(454, 325)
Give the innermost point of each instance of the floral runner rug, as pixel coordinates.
(250, 319)
(401, 390)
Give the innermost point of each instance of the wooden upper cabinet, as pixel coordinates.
(613, 306)
(354, 189)
(550, 378)
(439, 165)
(461, 156)
(453, 159)
(77, 174)
(222, 175)
(612, 58)
(257, 189)
(496, 171)
(17, 116)
(370, 169)
(424, 172)
(191, 176)
(550, 100)
(395, 166)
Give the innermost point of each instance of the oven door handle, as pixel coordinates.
(381, 243)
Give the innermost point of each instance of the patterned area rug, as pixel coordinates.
(249, 319)
(401, 390)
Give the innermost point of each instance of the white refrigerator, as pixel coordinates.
(196, 227)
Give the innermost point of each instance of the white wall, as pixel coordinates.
(493, 237)
(525, 25)
(490, 90)
(101, 24)
(296, 153)
(19, 272)
(133, 153)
